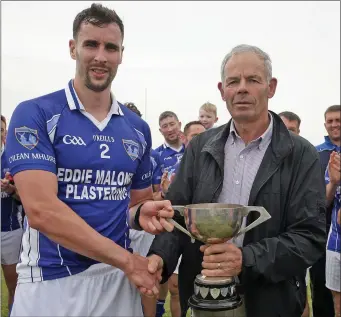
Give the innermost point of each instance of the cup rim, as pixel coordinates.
(215, 206)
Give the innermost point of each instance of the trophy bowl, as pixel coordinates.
(216, 223)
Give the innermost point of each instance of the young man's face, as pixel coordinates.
(170, 128)
(207, 119)
(332, 125)
(193, 131)
(291, 125)
(98, 53)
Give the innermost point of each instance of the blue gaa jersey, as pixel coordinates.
(96, 165)
(334, 237)
(9, 207)
(324, 150)
(156, 167)
(169, 157)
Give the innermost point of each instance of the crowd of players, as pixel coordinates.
(164, 162)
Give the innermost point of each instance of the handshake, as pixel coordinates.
(221, 259)
(145, 273)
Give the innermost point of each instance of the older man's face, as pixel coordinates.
(246, 88)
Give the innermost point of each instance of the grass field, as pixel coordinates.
(4, 310)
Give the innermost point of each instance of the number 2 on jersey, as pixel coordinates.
(104, 151)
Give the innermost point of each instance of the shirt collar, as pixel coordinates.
(166, 145)
(75, 104)
(262, 140)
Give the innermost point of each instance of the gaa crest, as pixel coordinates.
(27, 137)
(132, 148)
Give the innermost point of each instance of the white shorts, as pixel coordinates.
(176, 271)
(140, 241)
(333, 278)
(11, 246)
(101, 290)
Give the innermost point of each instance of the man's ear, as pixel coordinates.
(220, 88)
(272, 87)
(72, 48)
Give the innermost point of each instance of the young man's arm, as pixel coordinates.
(50, 216)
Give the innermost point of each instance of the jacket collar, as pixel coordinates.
(281, 142)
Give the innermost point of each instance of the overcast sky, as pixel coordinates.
(174, 51)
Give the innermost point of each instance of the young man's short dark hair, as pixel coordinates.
(189, 124)
(97, 15)
(132, 107)
(334, 108)
(167, 114)
(290, 116)
(3, 119)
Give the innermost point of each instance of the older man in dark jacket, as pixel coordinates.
(253, 160)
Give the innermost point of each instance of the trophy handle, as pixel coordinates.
(180, 209)
(263, 216)
(181, 228)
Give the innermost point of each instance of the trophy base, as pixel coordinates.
(214, 294)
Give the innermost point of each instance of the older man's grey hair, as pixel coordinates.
(244, 48)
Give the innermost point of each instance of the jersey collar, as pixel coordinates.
(329, 145)
(75, 104)
(166, 145)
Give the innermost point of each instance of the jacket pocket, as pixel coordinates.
(296, 294)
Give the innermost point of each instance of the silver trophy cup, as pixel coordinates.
(216, 223)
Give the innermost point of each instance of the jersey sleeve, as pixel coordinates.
(157, 174)
(143, 176)
(28, 145)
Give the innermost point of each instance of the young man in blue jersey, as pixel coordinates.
(172, 150)
(81, 164)
(333, 261)
(191, 130)
(11, 233)
(322, 299)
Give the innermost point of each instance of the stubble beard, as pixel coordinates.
(99, 88)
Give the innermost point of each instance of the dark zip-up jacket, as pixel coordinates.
(290, 186)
